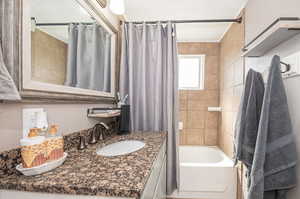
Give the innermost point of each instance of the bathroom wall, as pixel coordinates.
(231, 83)
(69, 117)
(231, 88)
(49, 58)
(200, 127)
(259, 14)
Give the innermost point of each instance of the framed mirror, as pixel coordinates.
(103, 3)
(68, 48)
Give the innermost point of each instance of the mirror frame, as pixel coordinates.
(102, 3)
(30, 89)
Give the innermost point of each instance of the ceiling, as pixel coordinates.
(152, 10)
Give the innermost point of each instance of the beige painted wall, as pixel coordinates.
(231, 88)
(200, 127)
(69, 117)
(48, 58)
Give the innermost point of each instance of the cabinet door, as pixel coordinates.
(161, 187)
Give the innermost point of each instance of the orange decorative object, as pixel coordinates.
(55, 144)
(33, 132)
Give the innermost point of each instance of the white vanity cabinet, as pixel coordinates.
(155, 187)
(156, 184)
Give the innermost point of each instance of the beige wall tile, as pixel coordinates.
(183, 118)
(228, 76)
(211, 82)
(209, 49)
(228, 145)
(202, 105)
(211, 95)
(196, 105)
(183, 104)
(238, 72)
(231, 84)
(196, 95)
(182, 137)
(183, 94)
(195, 137)
(195, 119)
(212, 65)
(228, 122)
(237, 95)
(227, 99)
(195, 102)
(211, 137)
(211, 120)
(49, 58)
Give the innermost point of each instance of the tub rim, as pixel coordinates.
(225, 162)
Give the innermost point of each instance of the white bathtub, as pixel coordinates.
(206, 172)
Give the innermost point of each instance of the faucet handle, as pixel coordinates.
(104, 125)
(93, 139)
(82, 143)
(101, 136)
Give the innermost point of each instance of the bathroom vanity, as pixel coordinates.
(86, 175)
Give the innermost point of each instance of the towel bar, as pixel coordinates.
(288, 67)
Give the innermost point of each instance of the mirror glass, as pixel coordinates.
(69, 47)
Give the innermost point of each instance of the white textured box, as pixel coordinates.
(42, 168)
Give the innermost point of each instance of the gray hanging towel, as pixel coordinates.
(247, 121)
(8, 90)
(274, 161)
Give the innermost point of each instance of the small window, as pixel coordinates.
(191, 72)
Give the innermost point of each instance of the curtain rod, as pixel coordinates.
(60, 24)
(238, 20)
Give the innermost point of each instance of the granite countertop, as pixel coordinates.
(86, 173)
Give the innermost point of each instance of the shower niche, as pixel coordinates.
(69, 50)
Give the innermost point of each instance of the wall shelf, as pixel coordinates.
(279, 31)
(104, 115)
(103, 112)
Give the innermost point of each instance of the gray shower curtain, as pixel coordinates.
(149, 75)
(8, 49)
(89, 57)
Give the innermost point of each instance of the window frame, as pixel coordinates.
(201, 58)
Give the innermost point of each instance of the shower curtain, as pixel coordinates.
(149, 75)
(8, 49)
(89, 57)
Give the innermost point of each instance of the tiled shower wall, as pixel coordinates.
(231, 83)
(200, 127)
(231, 88)
(49, 58)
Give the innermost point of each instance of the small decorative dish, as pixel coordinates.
(42, 168)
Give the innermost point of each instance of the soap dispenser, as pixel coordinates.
(55, 144)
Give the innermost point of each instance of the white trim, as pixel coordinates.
(29, 84)
(201, 57)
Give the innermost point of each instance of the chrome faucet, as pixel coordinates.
(104, 125)
(97, 129)
(103, 133)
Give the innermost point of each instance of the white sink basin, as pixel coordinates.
(120, 148)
